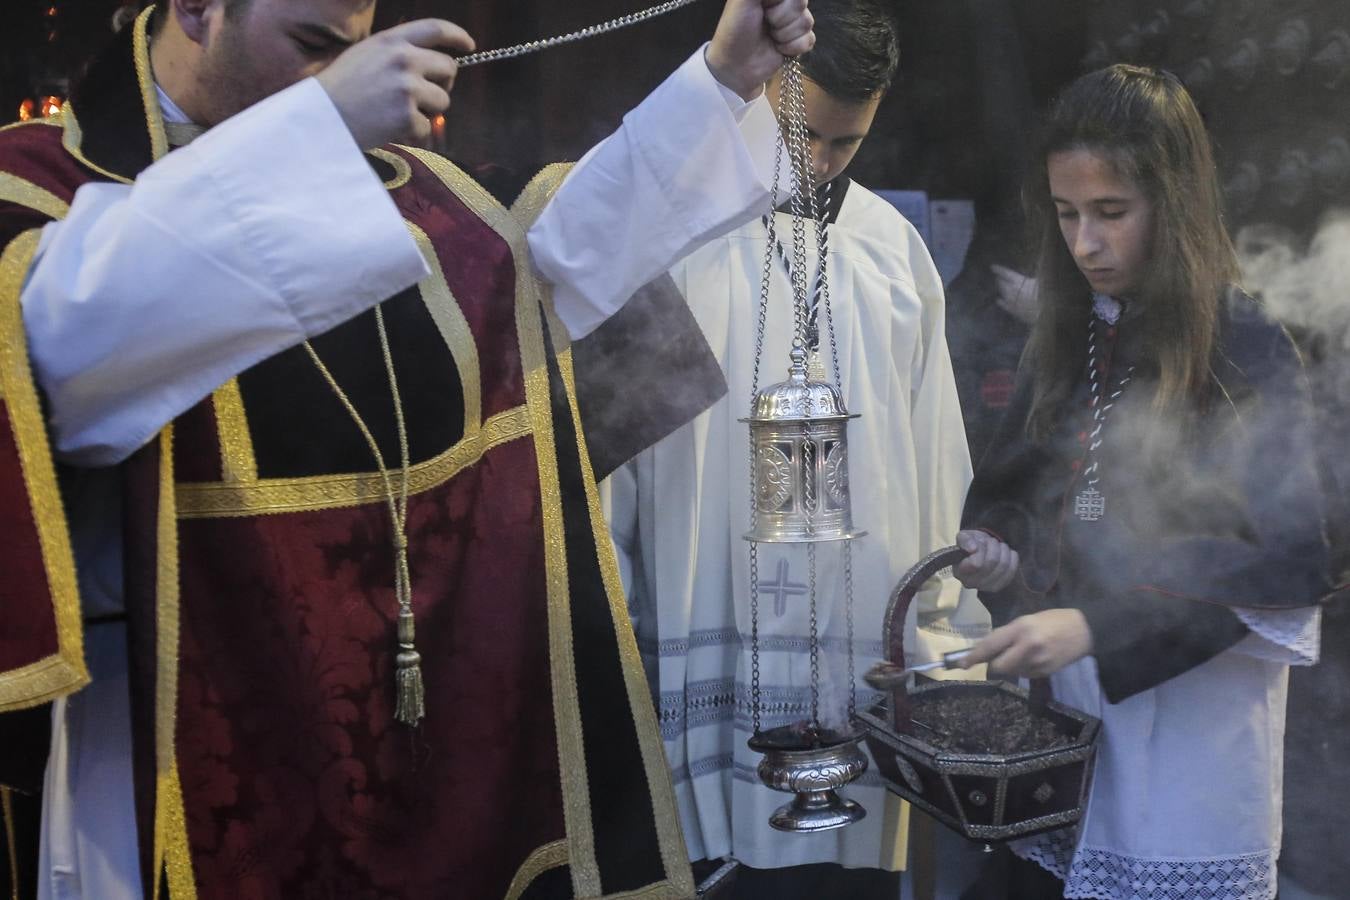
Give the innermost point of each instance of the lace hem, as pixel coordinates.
(1052, 851)
(1091, 872)
(1289, 636)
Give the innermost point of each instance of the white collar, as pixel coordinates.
(169, 110)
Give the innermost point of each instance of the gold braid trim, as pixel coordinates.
(172, 853)
(273, 496)
(402, 171)
(549, 856)
(63, 672)
(584, 868)
(526, 210)
(674, 855)
(665, 810)
(454, 328)
(14, 189)
(140, 53)
(237, 461)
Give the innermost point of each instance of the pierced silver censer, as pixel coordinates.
(799, 494)
(799, 442)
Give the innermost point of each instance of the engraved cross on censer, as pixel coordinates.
(799, 495)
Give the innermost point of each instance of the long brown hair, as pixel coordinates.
(1147, 126)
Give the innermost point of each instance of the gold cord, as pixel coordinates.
(411, 705)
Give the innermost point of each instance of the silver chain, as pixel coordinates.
(771, 222)
(815, 637)
(590, 31)
(822, 237)
(754, 631)
(792, 122)
(848, 609)
(754, 394)
(803, 199)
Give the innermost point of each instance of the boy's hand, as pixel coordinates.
(752, 38)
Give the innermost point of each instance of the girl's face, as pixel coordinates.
(1106, 220)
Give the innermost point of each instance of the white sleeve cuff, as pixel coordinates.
(266, 230)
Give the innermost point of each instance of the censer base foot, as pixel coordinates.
(811, 764)
(816, 811)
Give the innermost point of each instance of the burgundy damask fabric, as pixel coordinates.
(294, 771)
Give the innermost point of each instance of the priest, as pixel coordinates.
(679, 510)
(307, 592)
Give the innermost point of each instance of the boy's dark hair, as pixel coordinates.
(857, 49)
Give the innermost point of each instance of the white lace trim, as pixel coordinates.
(1052, 851)
(1091, 872)
(1289, 636)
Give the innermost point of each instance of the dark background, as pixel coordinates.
(974, 74)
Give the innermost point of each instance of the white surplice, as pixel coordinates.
(679, 510)
(1186, 791)
(269, 229)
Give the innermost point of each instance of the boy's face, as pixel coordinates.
(836, 127)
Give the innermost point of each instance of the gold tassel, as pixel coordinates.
(411, 706)
(410, 709)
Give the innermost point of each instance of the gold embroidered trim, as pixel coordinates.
(72, 137)
(526, 210)
(454, 328)
(14, 189)
(566, 704)
(140, 53)
(549, 856)
(665, 811)
(64, 672)
(7, 809)
(237, 461)
(402, 171)
(41, 682)
(532, 200)
(210, 499)
(172, 853)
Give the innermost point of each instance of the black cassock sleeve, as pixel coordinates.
(1238, 524)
